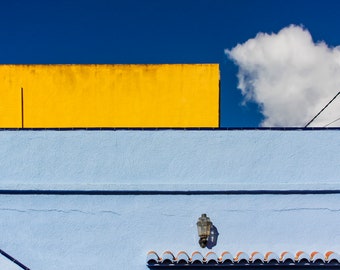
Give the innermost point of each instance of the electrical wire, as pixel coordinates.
(322, 110)
(332, 122)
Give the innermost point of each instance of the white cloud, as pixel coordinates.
(290, 76)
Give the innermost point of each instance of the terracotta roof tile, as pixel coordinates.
(257, 257)
(271, 257)
(331, 256)
(211, 257)
(302, 256)
(182, 257)
(242, 258)
(226, 257)
(317, 257)
(287, 257)
(197, 257)
(167, 257)
(152, 257)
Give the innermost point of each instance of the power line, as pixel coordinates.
(322, 110)
(332, 122)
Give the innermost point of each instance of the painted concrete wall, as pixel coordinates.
(179, 95)
(116, 232)
(7, 264)
(170, 159)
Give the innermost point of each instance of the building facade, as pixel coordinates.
(112, 197)
(104, 199)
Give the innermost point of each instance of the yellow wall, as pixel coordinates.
(61, 96)
(10, 98)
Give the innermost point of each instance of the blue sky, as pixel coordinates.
(158, 31)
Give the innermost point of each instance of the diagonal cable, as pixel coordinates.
(332, 122)
(322, 110)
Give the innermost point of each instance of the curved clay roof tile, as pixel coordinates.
(286, 257)
(316, 256)
(168, 257)
(271, 257)
(332, 257)
(257, 257)
(226, 257)
(182, 257)
(197, 257)
(302, 256)
(241, 257)
(152, 257)
(211, 257)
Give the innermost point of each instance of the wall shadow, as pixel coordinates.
(212, 240)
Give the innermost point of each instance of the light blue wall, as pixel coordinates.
(116, 232)
(170, 159)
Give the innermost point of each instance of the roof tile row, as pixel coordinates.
(242, 257)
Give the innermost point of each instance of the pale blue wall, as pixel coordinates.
(170, 159)
(116, 232)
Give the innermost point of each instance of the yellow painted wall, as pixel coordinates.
(61, 96)
(10, 98)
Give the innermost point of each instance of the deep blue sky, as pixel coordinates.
(157, 31)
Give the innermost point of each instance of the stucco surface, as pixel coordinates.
(116, 232)
(170, 159)
(163, 95)
(8, 264)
